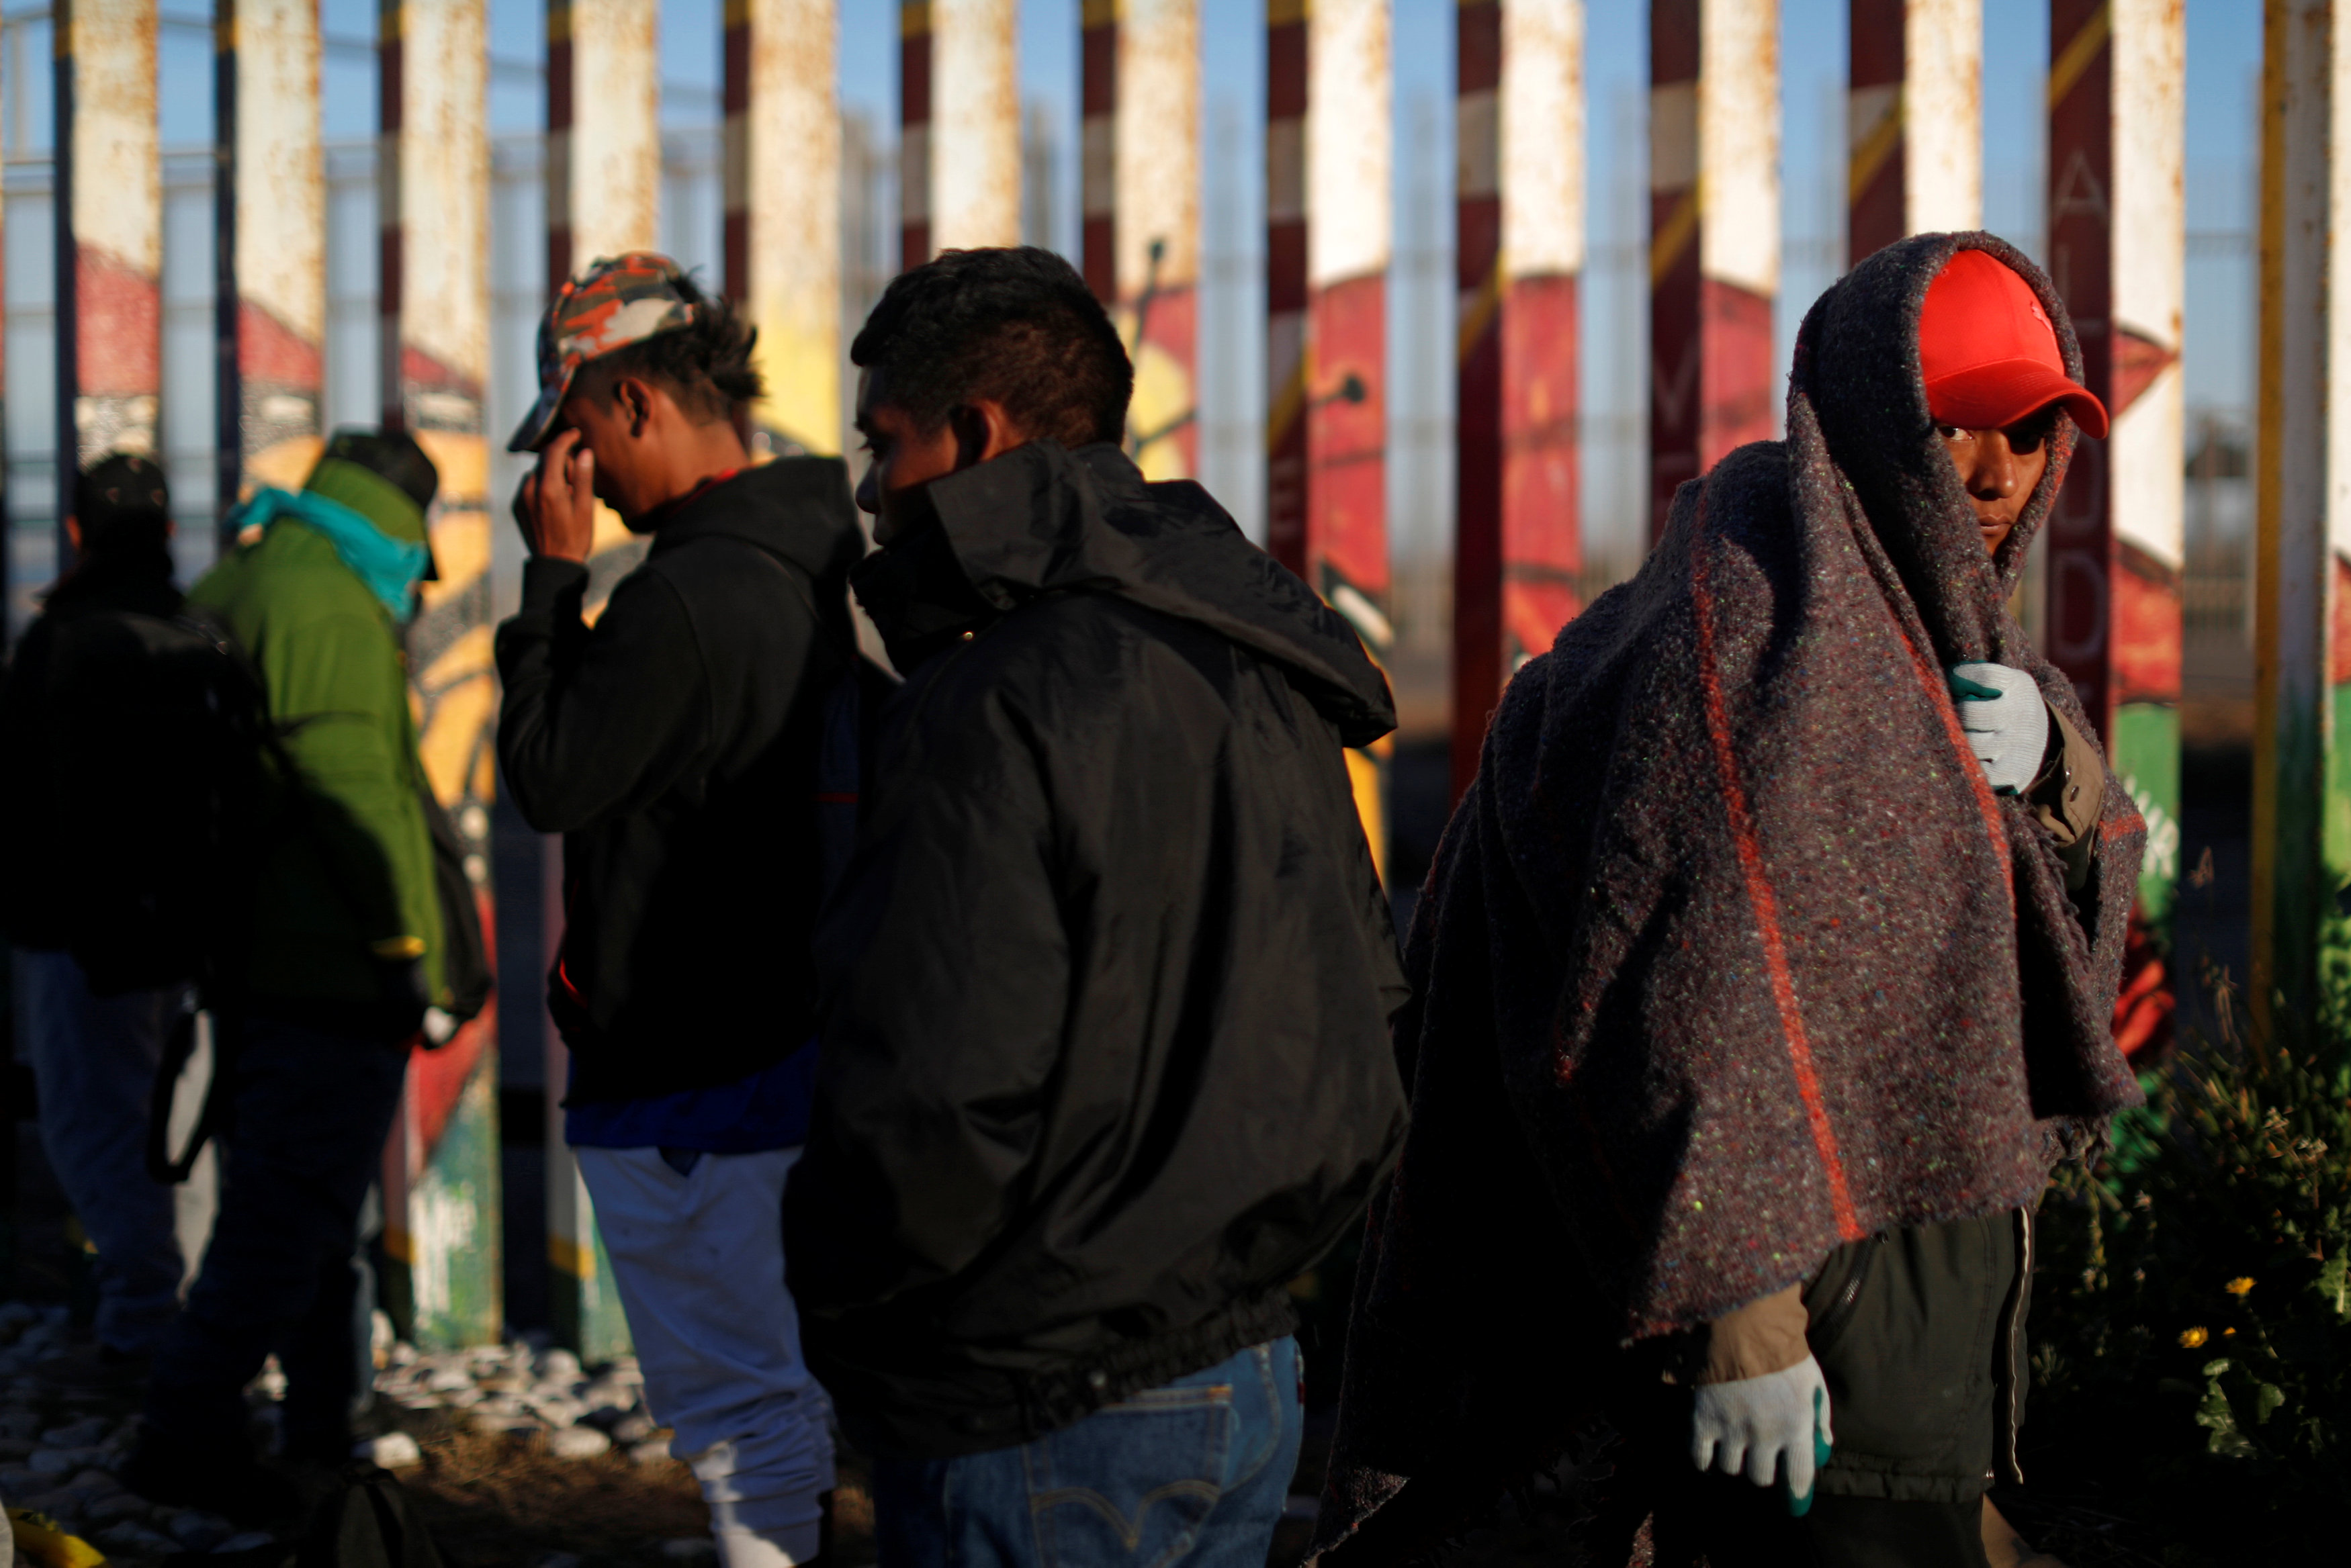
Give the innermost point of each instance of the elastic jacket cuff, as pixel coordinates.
(550, 586)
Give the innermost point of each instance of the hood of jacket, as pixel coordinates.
(1043, 519)
(795, 508)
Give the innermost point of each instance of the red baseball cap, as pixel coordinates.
(1988, 353)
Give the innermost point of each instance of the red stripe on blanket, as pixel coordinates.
(1761, 898)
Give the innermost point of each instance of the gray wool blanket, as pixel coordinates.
(1730, 955)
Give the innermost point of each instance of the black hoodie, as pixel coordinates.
(1108, 983)
(674, 748)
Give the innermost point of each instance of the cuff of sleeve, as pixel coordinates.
(2068, 800)
(552, 586)
(1762, 1337)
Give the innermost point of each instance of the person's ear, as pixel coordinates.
(973, 433)
(634, 400)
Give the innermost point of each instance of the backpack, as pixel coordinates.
(159, 728)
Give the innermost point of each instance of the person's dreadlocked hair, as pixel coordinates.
(1017, 326)
(705, 365)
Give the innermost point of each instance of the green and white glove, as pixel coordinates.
(1758, 1425)
(2006, 721)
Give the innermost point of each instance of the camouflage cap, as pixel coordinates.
(618, 301)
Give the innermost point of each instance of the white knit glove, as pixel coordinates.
(2006, 721)
(1755, 1424)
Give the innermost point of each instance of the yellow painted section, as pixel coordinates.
(462, 717)
(1679, 234)
(1289, 403)
(1482, 310)
(1875, 147)
(1364, 773)
(2079, 51)
(569, 1257)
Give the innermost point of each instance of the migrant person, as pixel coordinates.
(674, 745)
(1764, 974)
(1105, 1059)
(94, 1057)
(342, 959)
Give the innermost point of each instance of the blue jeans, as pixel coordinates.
(308, 1111)
(1193, 1472)
(94, 1059)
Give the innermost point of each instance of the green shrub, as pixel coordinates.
(2192, 1322)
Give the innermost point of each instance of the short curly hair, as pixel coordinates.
(1017, 326)
(705, 365)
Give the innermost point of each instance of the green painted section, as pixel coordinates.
(2146, 754)
(2308, 855)
(586, 1314)
(456, 1279)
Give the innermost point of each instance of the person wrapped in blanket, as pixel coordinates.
(1764, 974)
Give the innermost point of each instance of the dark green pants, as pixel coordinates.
(1920, 1335)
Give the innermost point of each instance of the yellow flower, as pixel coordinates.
(2192, 1338)
(2240, 1285)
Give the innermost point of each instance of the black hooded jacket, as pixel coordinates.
(42, 863)
(675, 747)
(1106, 1039)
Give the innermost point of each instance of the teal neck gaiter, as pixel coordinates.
(390, 567)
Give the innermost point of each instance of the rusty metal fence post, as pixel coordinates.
(442, 1231)
(1141, 199)
(2118, 251)
(108, 229)
(1914, 147)
(1714, 234)
(269, 249)
(2302, 650)
(1518, 251)
(1328, 212)
(782, 197)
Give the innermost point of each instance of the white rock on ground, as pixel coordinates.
(651, 1452)
(578, 1443)
(394, 1450)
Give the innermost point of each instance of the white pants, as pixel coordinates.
(699, 1261)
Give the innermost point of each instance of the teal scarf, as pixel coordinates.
(390, 567)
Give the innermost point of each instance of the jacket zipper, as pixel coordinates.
(2016, 1338)
(1834, 1320)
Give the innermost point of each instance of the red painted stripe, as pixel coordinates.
(1761, 899)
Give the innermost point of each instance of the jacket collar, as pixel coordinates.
(1043, 519)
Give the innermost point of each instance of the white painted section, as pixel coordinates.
(443, 185)
(1349, 137)
(2147, 474)
(2150, 84)
(1541, 138)
(1942, 132)
(616, 129)
(118, 198)
(1739, 142)
(975, 141)
(2150, 258)
(1157, 143)
(794, 152)
(281, 208)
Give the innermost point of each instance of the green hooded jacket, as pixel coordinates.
(344, 901)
